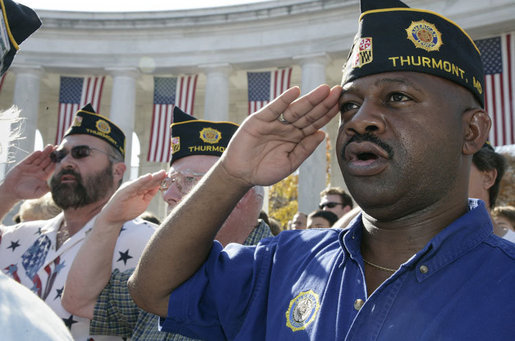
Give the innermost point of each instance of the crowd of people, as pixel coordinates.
(414, 249)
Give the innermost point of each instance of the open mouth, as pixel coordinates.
(364, 151)
(365, 158)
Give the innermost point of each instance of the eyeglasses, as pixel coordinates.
(77, 152)
(329, 205)
(183, 180)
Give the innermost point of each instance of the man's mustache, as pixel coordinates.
(369, 138)
(68, 172)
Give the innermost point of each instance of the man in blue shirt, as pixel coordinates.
(421, 261)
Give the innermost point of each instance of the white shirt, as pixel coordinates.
(24, 316)
(28, 254)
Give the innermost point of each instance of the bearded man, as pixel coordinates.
(85, 169)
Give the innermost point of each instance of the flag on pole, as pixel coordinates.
(168, 93)
(74, 93)
(264, 87)
(498, 55)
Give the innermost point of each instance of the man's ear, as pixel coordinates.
(476, 129)
(488, 178)
(118, 170)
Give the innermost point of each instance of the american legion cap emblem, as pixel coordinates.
(302, 310)
(424, 35)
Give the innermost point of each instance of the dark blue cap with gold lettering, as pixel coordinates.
(17, 23)
(394, 37)
(191, 136)
(87, 121)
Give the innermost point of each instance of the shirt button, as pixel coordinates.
(423, 269)
(358, 303)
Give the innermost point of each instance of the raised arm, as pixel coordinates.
(91, 268)
(263, 151)
(26, 180)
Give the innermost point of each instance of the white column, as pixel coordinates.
(312, 173)
(123, 103)
(217, 92)
(26, 98)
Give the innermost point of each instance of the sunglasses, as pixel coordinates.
(77, 152)
(329, 205)
(183, 180)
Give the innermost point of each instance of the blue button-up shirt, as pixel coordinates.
(310, 285)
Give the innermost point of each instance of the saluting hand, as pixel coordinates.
(273, 142)
(131, 199)
(28, 179)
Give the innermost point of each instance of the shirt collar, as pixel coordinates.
(456, 239)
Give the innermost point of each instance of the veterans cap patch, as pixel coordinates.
(88, 122)
(17, 23)
(394, 37)
(191, 136)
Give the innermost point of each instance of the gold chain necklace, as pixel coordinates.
(378, 266)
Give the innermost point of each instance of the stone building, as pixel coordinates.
(220, 45)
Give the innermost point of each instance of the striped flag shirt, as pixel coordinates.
(168, 93)
(498, 55)
(264, 87)
(75, 93)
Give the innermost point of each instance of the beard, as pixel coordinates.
(82, 192)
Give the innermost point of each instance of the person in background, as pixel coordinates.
(43, 208)
(275, 225)
(421, 261)
(299, 221)
(486, 172)
(336, 200)
(91, 290)
(504, 220)
(84, 171)
(321, 219)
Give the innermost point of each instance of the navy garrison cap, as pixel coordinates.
(87, 121)
(17, 23)
(394, 37)
(191, 136)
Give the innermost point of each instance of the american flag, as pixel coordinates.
(76, 92)
(498, 56)
(266, 86)
(168, 93)
(33, 259)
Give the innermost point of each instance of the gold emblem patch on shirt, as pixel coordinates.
(103, 126)
(424, 35)
(210, 135)
(302, 310)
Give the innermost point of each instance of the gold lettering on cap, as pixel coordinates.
(430, 63)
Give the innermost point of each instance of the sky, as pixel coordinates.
(128, 6)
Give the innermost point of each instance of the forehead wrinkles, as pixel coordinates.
(357, 85)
